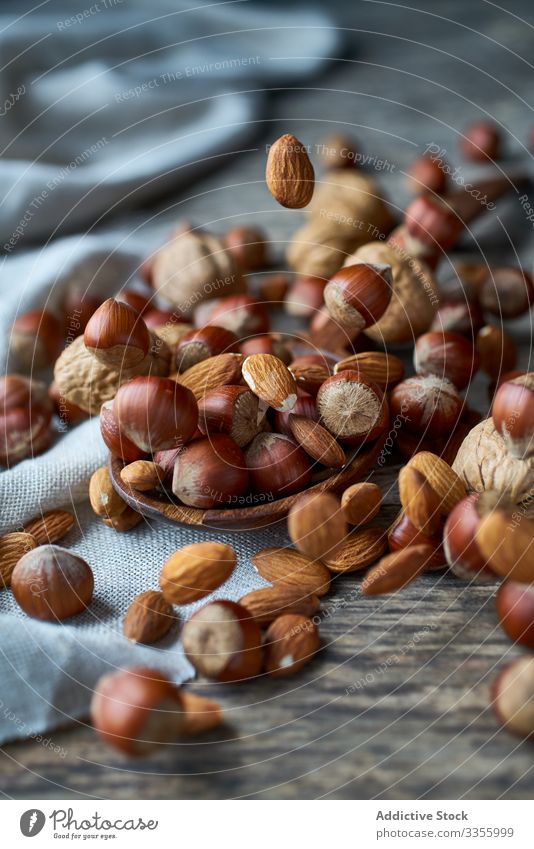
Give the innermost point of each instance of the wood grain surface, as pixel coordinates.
(396, 705)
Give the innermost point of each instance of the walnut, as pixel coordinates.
(347, 211)
(82, 380)
(415, 294)
(194, 267)
(483, 463)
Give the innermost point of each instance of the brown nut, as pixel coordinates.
(267, 604)
(223, 642)
(105, 500)
(289, 173)
(142, 475)
(148, 618)
(513, 697)
(357, 296)
(316, 525)
(291, 641)
(277, 466)
(12, 548)
(361, 502)
(210, 473)
(196, 570)
(35, 340)
(233, 410)
(51, 583)
(117, 336)
(352, 407)
(287, 566)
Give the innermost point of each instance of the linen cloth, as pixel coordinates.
(105, 106)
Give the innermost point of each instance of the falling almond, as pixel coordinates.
(289, 174)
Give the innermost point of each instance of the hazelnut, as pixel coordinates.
(114, 438)
(513, 415)
(266, 344)
(433, 222)
(458, 317)
(515, 609)
(426, 175)
(403, 535)
(428, 405)
(352, 407)
(233, 410)
(210, 473)
(156, 413)
(241, 314)
(156, 319)
(447, 355)
(78, 306)
(507, 292)
(304, 406)
(116, 335)
(198, 345)
(305, 296)
(496, 350)
(25, 414)
(513, 697)
(51, 583)
(137, 710)
(223, 642)
(358, 295)
(277, 465)
(317, 525)
(137, 300)
(36, 340)
(291, 641)
(273, 288)
(247, 246)
(480, 141)
(459, 541)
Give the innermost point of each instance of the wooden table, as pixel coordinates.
(396, 705)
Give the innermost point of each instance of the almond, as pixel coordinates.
(142, 475)
(443, 480)
(12, 548)
(271, 381)
(508, 545)
(291, 641)
(420, 502)
(317, 441)
(125, 521)
(50, 527)
(267, 604)
(361, 502)
(359, 550)
(287, 566)
(148, 618)
(200, 715)
(222, 370)
(383, 369)
(316, 525)
(196, 570)
(289, 173)
(397, 569)
(105, 500)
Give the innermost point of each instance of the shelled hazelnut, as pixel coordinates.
(277, 465)
(513, 415)
(352, 408)
(513, 697)
(357, 296)
(247, 246)
(428, 405)
(223, 642)
(426, 175)
(35, 340)
(304, 406)
(51, 583)
(403, 535)
(25, 415)
(459, 540)
(197, 345)
(447, 355)
(233, 410)
(210, 472)
(291, 641)
(115, 439)
(433, 222)
(515, 609)
(507, 292)
(267, 344)
(496, 350)
(155, 413)
(458, 317)
(241, 314)
(116, 335)
(305, 296)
